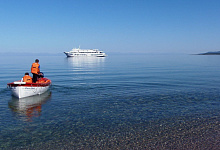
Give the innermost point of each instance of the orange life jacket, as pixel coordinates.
(35, 68)
(27, 79)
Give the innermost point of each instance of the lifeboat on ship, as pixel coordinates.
(22, 89)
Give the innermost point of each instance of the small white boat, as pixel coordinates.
(22, 89)
(75, 52)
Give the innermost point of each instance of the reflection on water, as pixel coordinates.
(29, 107)
(86, 61)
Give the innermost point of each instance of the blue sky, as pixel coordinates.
(149, 26)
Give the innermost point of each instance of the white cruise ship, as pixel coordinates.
(75, 52)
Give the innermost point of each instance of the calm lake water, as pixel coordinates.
(125, 101)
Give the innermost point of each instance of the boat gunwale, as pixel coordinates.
(12, 84)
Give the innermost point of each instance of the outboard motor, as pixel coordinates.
(41, 75)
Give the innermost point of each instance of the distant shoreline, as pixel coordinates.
(210, 53)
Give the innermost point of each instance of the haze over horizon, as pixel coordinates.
(143, 26)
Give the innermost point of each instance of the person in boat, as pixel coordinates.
(35, 70)
(27, 78)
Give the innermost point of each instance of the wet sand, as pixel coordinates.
(199, 133)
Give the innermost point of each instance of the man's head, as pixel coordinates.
(37, 60)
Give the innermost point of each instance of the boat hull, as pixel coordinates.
(77, 52)
(22, 89)
(68, 54)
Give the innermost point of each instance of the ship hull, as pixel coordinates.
(68, 54)
(76, 52)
